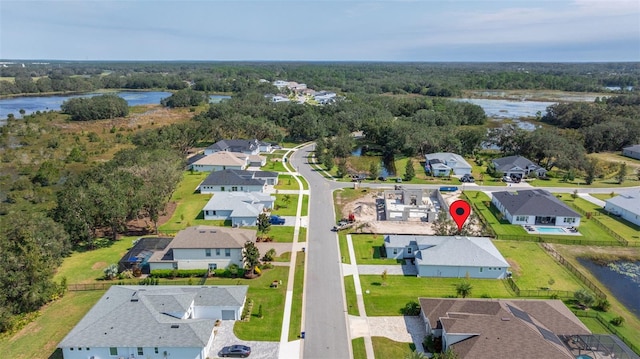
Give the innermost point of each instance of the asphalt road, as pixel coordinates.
(325, 322)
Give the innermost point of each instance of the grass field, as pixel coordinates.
(624, 229)
(350, 293)
(286, 208)
(305, 206)
(386, 348)
(40, 337)
(189, 203)
(302, 235)
(88, 266)
(287, 182)
(295, 325)
(359, 351)
(534, 269)
(280, 234)
(391, 297)
(344, 249)
(368, 249)
(274, 164)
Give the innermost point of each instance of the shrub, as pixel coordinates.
(603, 305)
(584, 297)
(411, 308)
(175, 273)
(617, 321)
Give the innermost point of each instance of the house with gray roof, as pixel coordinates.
(155, 322)
(242, 208)
(249, 147)
(518, 166)
(535, 207)
(444, 163)
(448, 256)
(203, 247)
(632, 151)
(238, 181)
(504, 328)
(626, 206)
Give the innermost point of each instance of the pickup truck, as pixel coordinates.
(276, 220)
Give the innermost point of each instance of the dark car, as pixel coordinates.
(276, 220)
(236, 351)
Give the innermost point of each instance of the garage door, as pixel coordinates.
(228, 315)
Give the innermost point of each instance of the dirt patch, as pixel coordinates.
(366, 211)
(515, 267)
(99, 265)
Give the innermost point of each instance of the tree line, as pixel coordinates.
(101, 107)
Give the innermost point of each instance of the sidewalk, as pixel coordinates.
(592, 199)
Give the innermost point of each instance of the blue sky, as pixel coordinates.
(314, 30)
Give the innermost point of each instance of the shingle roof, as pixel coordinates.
(447, 157)
(234, 145)
(109, 323)
(451, 250)
(505, 164)
(212, 237)
(222, 158)
(629, 201)
(536, 202)
(241, 204)
(232, 178)
(504, 328)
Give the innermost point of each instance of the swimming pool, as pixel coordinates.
(550, 230)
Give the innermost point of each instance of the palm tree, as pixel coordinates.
(463, 289)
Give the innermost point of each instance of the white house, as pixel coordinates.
(632, 151)
(222, 160)
(203, 247)
(242, 208)
(535, 207)
(154, 322)
(517, 166)
(449, 256)
(443, 163)
(627, 206)
(249, 147)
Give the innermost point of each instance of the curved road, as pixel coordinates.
(325, 320)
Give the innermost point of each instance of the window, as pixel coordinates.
(227, 252)
(217, 251)
(221, 189)
(521, 218)
(213, 213)
(395, 251)
(408, 250)
(113, 351)
(207, 252)
(234, 189)
(481, 269)
(569, 220)
(140, 351)
(155, 350)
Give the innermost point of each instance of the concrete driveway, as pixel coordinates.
(225, 337)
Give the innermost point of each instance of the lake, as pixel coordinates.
(510, 109)
(622, 278)
(33, 104)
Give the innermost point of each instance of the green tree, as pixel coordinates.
(591, 170)
(251, 256)
(328, 161)
(463, 289)
(342, 168)
(374, 170)
(622, 173)
(409, 171)
(584, 297)
(269, 255)
(264, 224)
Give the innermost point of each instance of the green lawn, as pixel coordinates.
(350, 293)
(603, 196)
(305, 184)
(344, 249)
(359, 351)
(88, 266)
(384, 347)
(304, 211)
(274, 164)
(533, 268)
(287, 182)
(281, 234)
(594, 325)
(284, 208)
(295, 325)
(302, 235)
(630, 181)
(269, 327)
(621, 227)
(40, 337)
(389, 299)
(368, 248)
(504, 230)
(189, 203)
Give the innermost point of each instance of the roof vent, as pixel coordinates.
(175, 326)
(505, 319)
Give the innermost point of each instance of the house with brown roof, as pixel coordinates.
(502, 328)
(203, 247)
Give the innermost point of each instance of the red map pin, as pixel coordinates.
(460, 211)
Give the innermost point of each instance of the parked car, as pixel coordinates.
(506, 179)
(467, 178)
(276, 220)
(237, 351)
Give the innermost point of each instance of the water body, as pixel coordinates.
(387, 164)
(33, 104)
(218, 98)
(510, 109)
(622, 278)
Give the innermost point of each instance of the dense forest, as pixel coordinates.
(86, 185)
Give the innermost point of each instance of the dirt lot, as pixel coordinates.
(365, 211)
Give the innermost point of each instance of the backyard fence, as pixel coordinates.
(599, 293)
(538, 292)
(632, 344)
(549, 239)
(593, 216)
(106, 285)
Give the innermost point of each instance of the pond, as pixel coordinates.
(516, 111)
(33, 104)
(622, 278)
(387, 164)
(218, 98)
